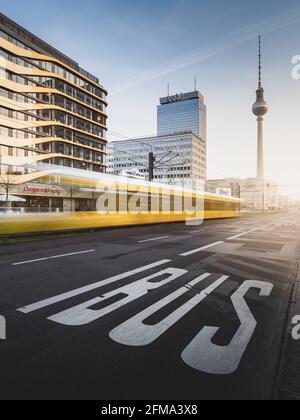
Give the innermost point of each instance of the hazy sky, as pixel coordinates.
(136, 47)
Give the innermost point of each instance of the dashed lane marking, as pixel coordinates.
(153, 239)
(53, 257)
(203, 248)
(247, 233)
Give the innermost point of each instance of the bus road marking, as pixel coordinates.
(64, 296)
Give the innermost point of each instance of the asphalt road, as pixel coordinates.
(158, 312)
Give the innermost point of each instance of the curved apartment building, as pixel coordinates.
(51, 110)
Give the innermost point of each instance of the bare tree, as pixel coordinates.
(8, 181)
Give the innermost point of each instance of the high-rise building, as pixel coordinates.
(183, 112)
(181, 141)
(260, 109)
(52, 111)
(180, 159)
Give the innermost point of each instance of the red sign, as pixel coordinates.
(34, 190)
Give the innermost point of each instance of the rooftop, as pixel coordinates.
(154, 137)
(182, 97)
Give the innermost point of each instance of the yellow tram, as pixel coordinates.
(110, 201)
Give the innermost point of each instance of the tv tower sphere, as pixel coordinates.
(260, 108)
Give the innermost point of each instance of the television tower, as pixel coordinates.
(260, 109)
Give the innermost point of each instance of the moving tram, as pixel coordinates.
(104, 201)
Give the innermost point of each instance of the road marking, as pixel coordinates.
(247, 233)
(203, 248)
(2, 328)
(154, 239)
(54, 257)
(135, 332)
(195, 231)
(205, 356)
(47, 302)
(84, 313)
(241, 234)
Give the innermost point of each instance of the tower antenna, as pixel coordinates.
(195, 85)
(168, 90)
(259, 60)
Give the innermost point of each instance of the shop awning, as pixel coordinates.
(12, 199)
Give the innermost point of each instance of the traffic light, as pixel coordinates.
(151, 166)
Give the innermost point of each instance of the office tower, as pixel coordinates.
(52, 111)
(182, 113)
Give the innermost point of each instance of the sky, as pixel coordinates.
(137, 47)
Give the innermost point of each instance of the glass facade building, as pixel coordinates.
(181, 126)
(182, 113)
(51, 110)
(185, 154)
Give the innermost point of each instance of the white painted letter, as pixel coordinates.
(203, 355)
(2, 328)
(135, 332)
(82, 314)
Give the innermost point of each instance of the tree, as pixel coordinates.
(8, 181)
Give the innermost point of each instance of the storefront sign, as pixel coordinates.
(34, 190)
